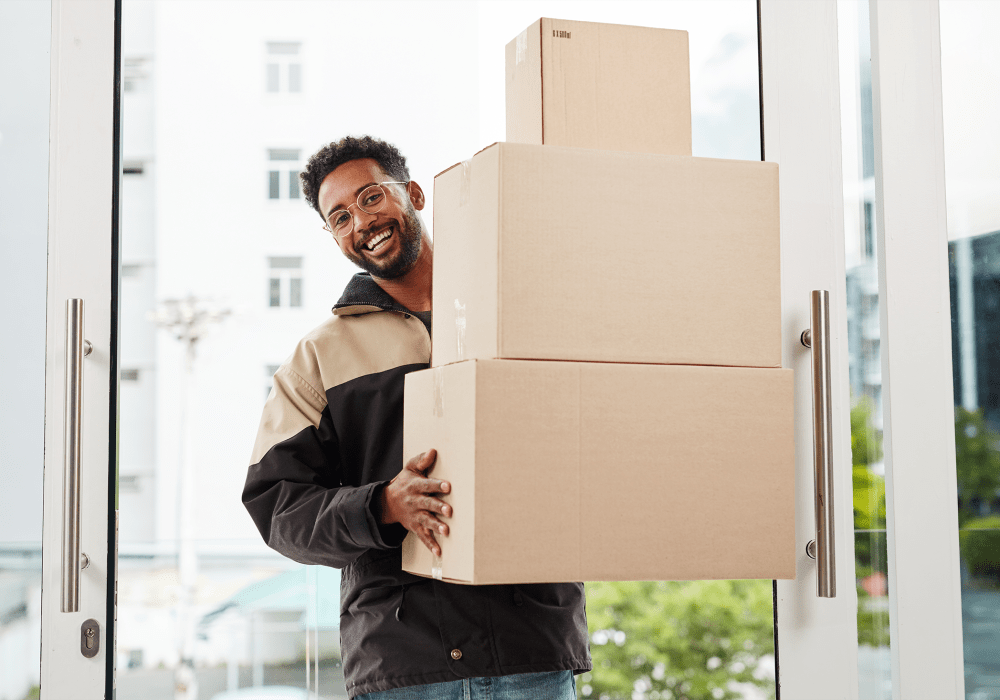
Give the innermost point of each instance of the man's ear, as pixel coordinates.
(416, 195)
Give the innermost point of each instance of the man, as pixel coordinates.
(325, 485)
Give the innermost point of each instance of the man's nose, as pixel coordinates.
(362, 220)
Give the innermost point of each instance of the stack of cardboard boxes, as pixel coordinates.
(605, 396)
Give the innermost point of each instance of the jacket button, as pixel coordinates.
(456, 654)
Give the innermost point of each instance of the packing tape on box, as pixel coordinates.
(439, 392)
(436, 568)
(459, 330)
(521, 48)
(465, 191)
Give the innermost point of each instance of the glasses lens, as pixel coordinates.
(341, 223)
(372, 199)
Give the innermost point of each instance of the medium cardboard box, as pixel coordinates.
(584, 471)
(593, 85)
(546, 252)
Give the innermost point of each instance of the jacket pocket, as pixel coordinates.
(373, 571)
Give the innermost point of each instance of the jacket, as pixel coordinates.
(330, 437)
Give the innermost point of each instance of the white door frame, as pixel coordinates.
(925, 602)
(81, 254)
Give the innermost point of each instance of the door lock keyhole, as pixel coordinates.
(90, 638)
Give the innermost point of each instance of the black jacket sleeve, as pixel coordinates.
(294, 491)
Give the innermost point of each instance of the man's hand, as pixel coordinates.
(409, 499)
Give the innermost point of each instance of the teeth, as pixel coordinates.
(370, 245)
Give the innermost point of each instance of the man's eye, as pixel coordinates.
(340, 219)
(373, 199)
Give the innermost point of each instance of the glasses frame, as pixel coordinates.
(327, 227)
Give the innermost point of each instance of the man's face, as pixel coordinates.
(393, 257)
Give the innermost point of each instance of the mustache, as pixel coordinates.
(368, 235)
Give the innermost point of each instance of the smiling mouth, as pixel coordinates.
(379, 240)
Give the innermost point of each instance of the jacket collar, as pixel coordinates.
(363, 295)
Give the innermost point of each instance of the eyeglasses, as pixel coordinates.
(371, 200)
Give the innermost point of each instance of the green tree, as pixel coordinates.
(977, 462)
(869, 488)
(683, 640)
(977, 466)
(979, 542)
(869, 515)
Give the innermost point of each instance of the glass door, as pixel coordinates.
(81, 353)
(25, 36)
(225, 267)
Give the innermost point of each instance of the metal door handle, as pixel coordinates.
(76, 349)
(817, 338)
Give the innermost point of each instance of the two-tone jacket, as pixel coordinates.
(330, 437)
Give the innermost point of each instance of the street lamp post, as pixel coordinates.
(187, 320)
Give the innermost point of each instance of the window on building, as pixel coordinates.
(284, 66)
(133, 167)
(869, 231)
(283, 173)
(129, 483)
(135, 72)
(285, 282)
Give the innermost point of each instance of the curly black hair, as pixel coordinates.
(331, 156)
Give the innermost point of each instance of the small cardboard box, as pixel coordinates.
(546, 252)
(594, 85)
(583, 471)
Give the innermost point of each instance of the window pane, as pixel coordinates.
(275, 292)
(294, 77)
(272, 77)
(283, 153)
(256, 637)
(970, 70)
(283, 48)
(25, 37)
(273, 188)
(864, 352)
(293, 185)
(286, 263)
(133, 73)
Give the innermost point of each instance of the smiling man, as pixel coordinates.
(327, 484)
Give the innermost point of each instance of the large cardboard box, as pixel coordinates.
(593, 85)
(581, 471)
(545, 252)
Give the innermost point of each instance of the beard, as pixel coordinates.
(410, 233)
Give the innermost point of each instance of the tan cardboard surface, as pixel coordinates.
(529, 489)
(432, 399)
(545, 252)
(471, 213)
(595, 471)
(597, 85)
(524, 86)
